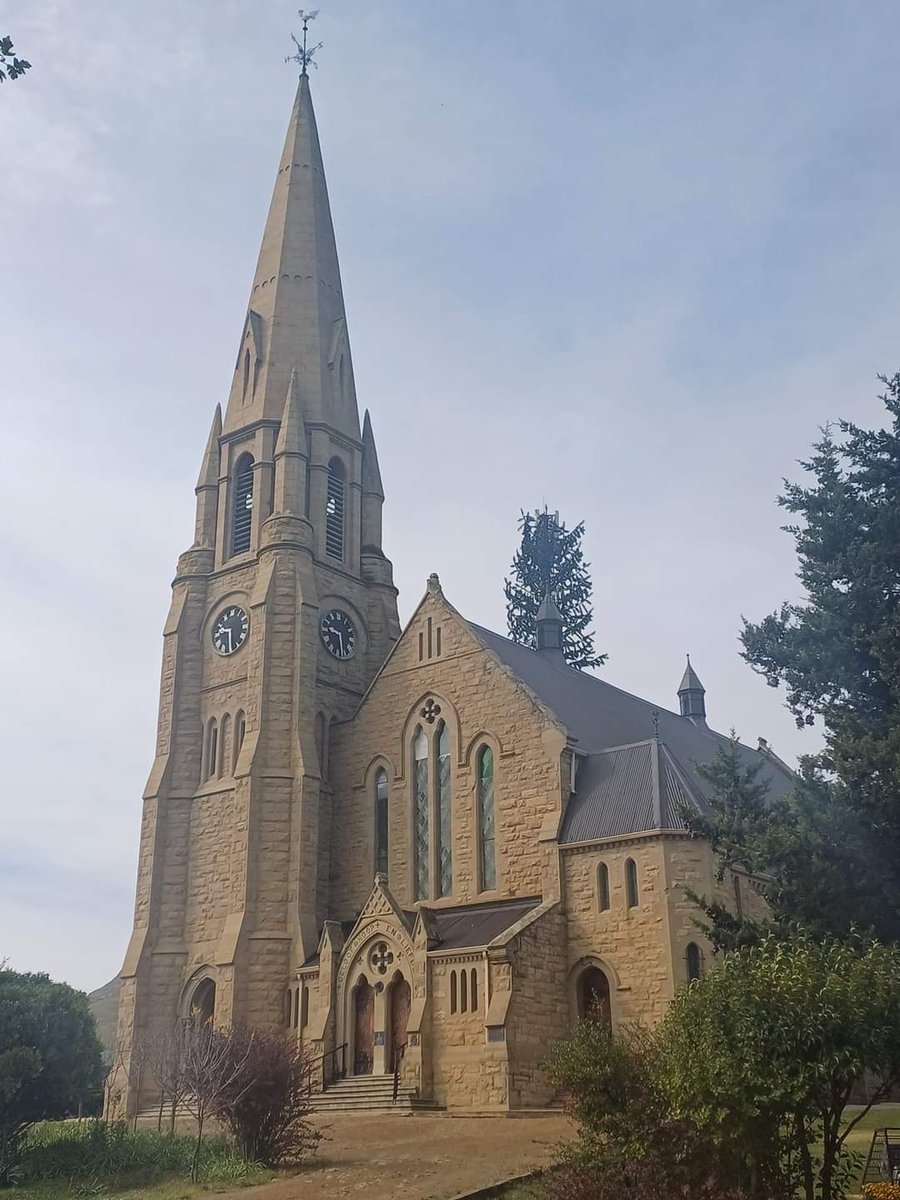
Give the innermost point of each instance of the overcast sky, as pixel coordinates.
(620, 257)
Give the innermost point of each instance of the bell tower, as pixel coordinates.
(282, 611)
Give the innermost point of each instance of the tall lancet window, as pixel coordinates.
(242, 518)
(445, 833)
(421, 804)
(487, 853)
(334, 510)
(381, 822)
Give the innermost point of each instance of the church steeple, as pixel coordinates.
(296, 320)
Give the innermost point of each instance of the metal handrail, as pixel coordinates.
(323, 1058)
(401, 1051)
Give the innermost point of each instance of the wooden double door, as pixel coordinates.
(398, 999)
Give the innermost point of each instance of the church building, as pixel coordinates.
(422, 852)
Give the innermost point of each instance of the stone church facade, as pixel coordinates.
(423, 851)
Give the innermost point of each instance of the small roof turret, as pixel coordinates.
(549, 628)
(692, 695)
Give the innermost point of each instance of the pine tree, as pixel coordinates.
(550, 559)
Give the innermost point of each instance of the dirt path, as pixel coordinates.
(416, 1158)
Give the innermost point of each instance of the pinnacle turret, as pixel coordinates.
(291, 456)
(207, 488)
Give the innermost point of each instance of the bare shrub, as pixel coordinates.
(267, 1103)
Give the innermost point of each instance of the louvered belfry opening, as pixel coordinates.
(243, 505)
(334, 510)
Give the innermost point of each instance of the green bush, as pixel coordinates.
(95, 1150)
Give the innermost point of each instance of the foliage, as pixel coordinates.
(550, 560)
(838, 652)
(212, 1075)
(267, 1106)
(50, 1058)
(742, 1089)
(92, 1154)
(763, 1053)
(881, 1191)
(10, 66)
(819, 867)
(629, 1142)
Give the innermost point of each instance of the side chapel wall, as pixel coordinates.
(480, 702)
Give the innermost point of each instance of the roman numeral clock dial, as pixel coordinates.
(230, 630)
(338, 634)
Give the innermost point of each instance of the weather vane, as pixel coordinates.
(305, 52)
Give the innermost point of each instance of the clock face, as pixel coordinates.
(230, 630)
(338, 633)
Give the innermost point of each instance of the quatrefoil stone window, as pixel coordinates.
(380, 957)
(430, 711)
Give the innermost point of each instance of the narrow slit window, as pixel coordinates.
(452, 991)
(246, 386)
(212, 748)
(334, 510)
(631, 883)
(223, 747)
(242, 519)
(445, 832)
(381, 822)
(463, 991)
(240, 725)
(694, 961)
(421, 804)
(603, 887)
(473, 990)
(487, 855)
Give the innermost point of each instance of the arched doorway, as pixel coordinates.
(363, 1027)
(594, 1002)
(202, 1008)
(399, 1000)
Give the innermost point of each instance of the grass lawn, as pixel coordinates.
(131, 1189)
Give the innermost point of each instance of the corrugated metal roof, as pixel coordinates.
(599, 716)
(630, 789)
(476, 924)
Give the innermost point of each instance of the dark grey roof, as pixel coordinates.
(629, 790)
(475, 924)
(599, 716)
(689, 680)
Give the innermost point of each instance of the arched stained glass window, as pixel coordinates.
(334, 510)
(487, 854)
(445, 832)
(603, 887)
(421, 836)
(694, 960)
(242, 517)
(381, 821)
(631, 883)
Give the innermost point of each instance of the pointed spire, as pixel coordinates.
(692, 695)
(296, 303)
(209, 468)
(371, 473)
(207, 488)
(290, 455)
(549, 627)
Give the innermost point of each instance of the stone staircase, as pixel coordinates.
(369, 1094)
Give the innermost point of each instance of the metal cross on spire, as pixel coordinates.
(305, 52)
